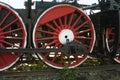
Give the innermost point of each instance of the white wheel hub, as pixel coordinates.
(66, 35)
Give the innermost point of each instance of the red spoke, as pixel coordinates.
(61, 59)
(65, 20)
(61, 24)
(111, 41)
(51, 27)
(15, 38)
(113, 34)
(9, 44)
(82, 43)
(81, 25)
(76, 58)
(47, 32)
(83, 31)
(54, 57)
(71, 18)
(57, 44)
(48, 38)
(111, 48)
(11, 31)
(1, 45)
(5, 18)
(110, 31)
(76, 21)
(55, 23)
(9, 24)
(87, 46)
(46, 55)
(60, 45)
(84, 38)
(51, 43)
(69, 61)
(0, 8)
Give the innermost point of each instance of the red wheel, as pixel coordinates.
(12, 35)
(59, 24)
(110, 35)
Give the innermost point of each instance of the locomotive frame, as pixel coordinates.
(101, 20)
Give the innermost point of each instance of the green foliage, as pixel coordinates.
(68, 74)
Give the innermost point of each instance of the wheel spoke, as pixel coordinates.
(65, 21)
(46, 55)
(10, 44)
(82, 32)
(46, 32)
(9, 24)
(15, 30)
(55, 56)
(61, 59)
(54, 22)
(69, 61)
(61, 24)
(57, 44)
(76, 21)
(84, 38)
(2, 46)
(48, 38)
(87, 46)
(0, 8)
(71, 18)
(76, 58)
(111, 41)
(49, 44)
(111, 48)
(5, 18)
(81, 25)
(14, 38)
(49, 26)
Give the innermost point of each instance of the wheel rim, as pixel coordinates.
(12, 35)
(55, 26)
(110, 35)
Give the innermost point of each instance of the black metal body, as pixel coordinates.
(108, 17)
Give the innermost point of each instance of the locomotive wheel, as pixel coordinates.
(12, 35)
(60, 24)
(110, 35)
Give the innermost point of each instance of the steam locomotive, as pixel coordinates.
(59, 33)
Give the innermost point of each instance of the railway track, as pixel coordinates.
(47, 72)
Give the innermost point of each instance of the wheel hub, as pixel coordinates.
(66, 35)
